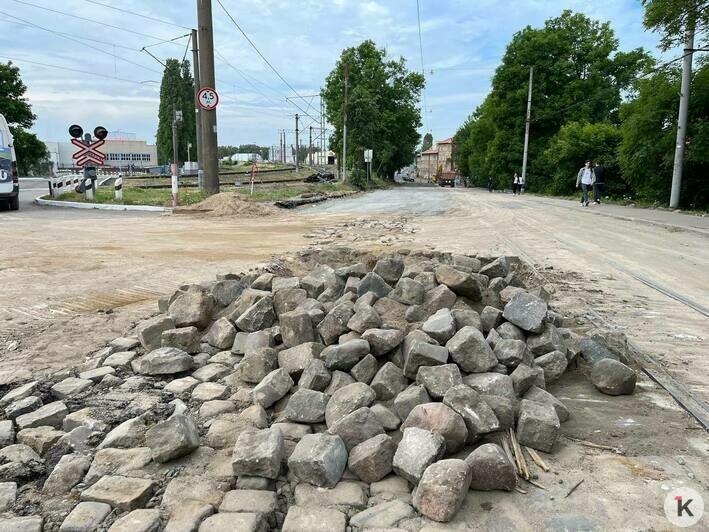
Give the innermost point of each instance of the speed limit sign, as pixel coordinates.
(207, 98)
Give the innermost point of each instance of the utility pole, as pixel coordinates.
(198, 112)
(176, 117)
(297, 144)
(344, 126)
(682, 119)
(310, 148)
(322, 159)
(207, 79)
(526, 128)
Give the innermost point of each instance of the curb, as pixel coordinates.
(39, 200)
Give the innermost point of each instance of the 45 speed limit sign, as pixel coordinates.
(207, 98)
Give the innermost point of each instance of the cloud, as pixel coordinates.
(463, 42)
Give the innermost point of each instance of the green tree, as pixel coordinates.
(427, 142)
(176, 93)
(671, 18)
(649, 131)
(32, 154)
(579, 76)
(577, 142)
(382, 112)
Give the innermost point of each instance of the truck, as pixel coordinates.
(445, 178)
(9, 182)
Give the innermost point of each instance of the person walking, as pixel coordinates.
(522, 181)
(585, 178)
(599, 185)
(490, 184)
(515, 184)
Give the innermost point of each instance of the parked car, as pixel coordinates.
(9, 183)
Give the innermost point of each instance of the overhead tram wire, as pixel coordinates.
(69, 69)
(423, 69)
(129, 48)
(264, 58)
(79, 42)
(135, 13)
(93, 21)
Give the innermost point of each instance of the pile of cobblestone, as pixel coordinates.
(370, 395)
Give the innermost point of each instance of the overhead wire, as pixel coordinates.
(69, 69)
(423, 69)
(226, 11)
(141, 15)
(99, 50)
(85, 19)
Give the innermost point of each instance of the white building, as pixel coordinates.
(245, 158)
(121, 153)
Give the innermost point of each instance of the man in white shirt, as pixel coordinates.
(585, 178)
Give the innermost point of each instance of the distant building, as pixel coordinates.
(440, 155)
(245, 158)
(121, 153)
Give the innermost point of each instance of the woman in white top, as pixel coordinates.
(515, 184)
(586, 177)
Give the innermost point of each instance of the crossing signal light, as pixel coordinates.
(76, 131)
(100, 132)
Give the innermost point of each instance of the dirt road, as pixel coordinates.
(72, 280)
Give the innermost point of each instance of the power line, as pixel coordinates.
(69, 69)
(30, 25)
(423, 70)
(147, 17)
(79, 42)
(262, 56)
(23, 2)
(166, 41)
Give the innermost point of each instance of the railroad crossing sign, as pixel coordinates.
(207, 98)
(88, 154)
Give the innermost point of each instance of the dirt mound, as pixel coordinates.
(230, 204)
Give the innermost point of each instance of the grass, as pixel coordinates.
(137, 196)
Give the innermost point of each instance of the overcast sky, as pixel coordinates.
(463, 41)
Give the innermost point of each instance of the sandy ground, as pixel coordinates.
(72, 280)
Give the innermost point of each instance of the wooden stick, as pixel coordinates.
(506, 448)
(594, 445)
(518, 453)
(537, 484)
(573, 488)
(537, 459)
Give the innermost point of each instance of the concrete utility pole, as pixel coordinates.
(322, 159)
(310, 148)
(297, 144)
(682, 119)
(207, 79)
(198, 113)
(176, 117)
(526, 127)
(344, 126)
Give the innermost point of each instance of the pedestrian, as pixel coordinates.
(515, 184)
(599, 185)
(490, 184)
(522, 181)
(585, 178)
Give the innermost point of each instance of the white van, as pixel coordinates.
(9, 184)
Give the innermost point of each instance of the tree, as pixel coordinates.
(672, 18)
(228, 151)
(176, 93)
(32, 154)
(577, 142)
(646, 152)
(579, 76)
(427, 142)
(382, 112)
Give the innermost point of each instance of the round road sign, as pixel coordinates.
(207, 98)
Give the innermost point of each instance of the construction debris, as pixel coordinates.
(268, 402)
